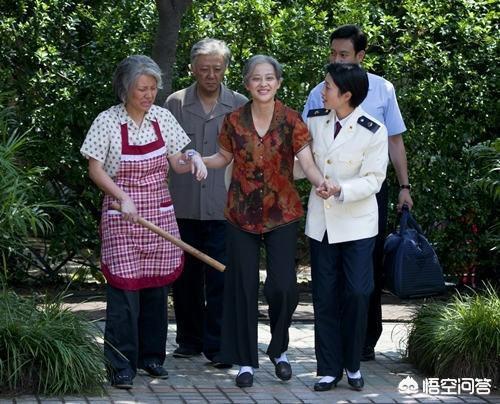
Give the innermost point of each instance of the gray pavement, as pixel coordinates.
(194, 381)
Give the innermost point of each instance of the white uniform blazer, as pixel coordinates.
(357, 160)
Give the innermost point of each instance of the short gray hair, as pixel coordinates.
(129, 69)
(257, 60)
(210, 46)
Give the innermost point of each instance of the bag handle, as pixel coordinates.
(407, 221)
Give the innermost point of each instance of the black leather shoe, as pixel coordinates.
(122, 381)
(356, 384)
(156, 370)
(244, 379)
(282, 369)
(220, 365)
(183, 352)
(368, 354)
(324, 386)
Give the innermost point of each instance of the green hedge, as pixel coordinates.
(442, 57)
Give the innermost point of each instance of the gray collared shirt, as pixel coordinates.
(203, 200)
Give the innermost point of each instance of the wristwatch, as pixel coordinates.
(405, 186)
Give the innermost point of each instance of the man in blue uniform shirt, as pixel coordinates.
(348, 45)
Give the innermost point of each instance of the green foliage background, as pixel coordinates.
(57, 58)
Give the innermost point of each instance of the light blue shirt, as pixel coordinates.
(380, 103)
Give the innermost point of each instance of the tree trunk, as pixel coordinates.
(170, 13)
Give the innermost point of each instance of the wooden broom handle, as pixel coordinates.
(178, 242)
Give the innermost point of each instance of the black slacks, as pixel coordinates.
(239, 322)
(199, 292)
(342, 279)
(374, 325)
(136, 328)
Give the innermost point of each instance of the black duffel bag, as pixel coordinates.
(411, 265)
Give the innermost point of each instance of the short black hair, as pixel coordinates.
(350, 77)
(352, 32)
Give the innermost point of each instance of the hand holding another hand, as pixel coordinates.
(326, 189)
(198, 168)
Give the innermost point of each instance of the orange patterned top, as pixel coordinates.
(262, 194)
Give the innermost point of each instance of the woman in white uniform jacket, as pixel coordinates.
(350, 149)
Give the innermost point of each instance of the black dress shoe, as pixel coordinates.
(356, 384)
(367, 354)
(183, 352)
(122, 381)
(220, 365)
(156, 370)
(282, 369)
(244, 379)
(214, 362)
(325, 386)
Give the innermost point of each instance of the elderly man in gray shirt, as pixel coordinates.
(199, 206)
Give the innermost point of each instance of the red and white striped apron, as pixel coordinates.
(133, 257)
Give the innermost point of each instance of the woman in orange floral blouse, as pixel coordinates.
(263, 206)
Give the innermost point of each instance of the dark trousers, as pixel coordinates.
(199, 292)
(374, 325)
(136, 328)
(239, 325)
(342, 279)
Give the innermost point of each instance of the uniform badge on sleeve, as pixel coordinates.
(368, 124)
(317, 112)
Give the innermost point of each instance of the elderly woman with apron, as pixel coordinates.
(129, 147)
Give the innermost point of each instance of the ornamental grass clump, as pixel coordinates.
(46, 349)
(458, 339)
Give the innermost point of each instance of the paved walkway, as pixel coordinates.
(194, 381)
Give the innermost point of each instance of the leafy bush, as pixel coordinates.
(441, 56)
(458, 339)
(57, 61)
(486, 157)
(24, 205)
(46, 349)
